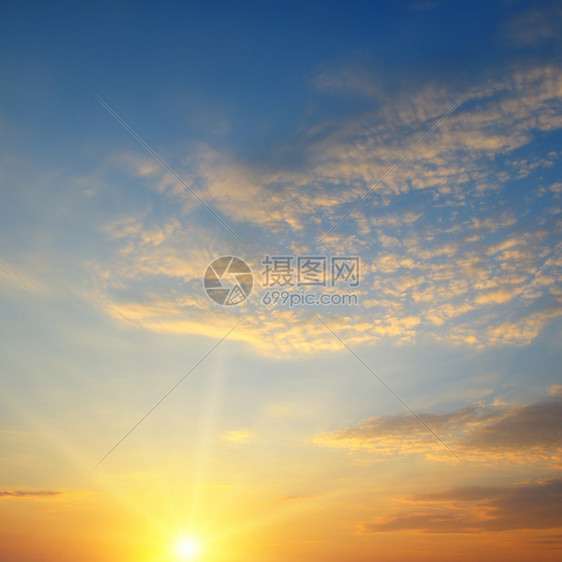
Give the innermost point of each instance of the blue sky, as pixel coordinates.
(445, 117)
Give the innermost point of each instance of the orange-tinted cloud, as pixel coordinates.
(479, 434)
(29, 494)
(480, 278)
(477, 509)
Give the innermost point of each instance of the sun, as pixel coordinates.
(187, 548)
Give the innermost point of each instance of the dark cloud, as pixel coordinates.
(28, 494)
(522, 427)
(525, 433)
(468, 510)
(551, 542)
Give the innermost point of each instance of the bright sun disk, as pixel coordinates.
(187, 549)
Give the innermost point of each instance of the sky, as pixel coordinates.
(380, 377)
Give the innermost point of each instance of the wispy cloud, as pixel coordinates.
(455, 260)
(239, 436)
(29, 494)
(522, 433)
(299, 498)
(535, 26)
(477, 509)
(16, 277)
(553, 541)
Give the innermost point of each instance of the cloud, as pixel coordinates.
(17, 278)
(347, 81)
(445, 290)
(520, 428)
(555, 390)
(343, 164)
(523, 330)
(299, 498)
(29, 494)
(535, 26)
(549, 541)
(455, 260)
(238, 436)
(479, 509)
(526, 433)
